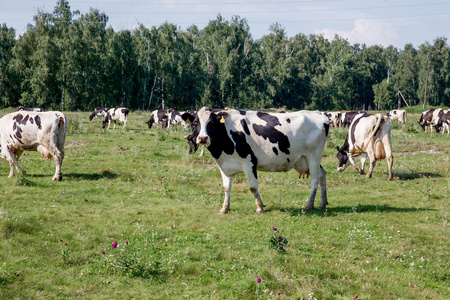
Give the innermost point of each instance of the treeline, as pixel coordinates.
(72, 61)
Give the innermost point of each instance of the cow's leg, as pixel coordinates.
(17, 155)
(363, 162)
(372, 162)
(314, 170)
(10, 158)
(58, 156)
(114, 124)
(323, 188)
(203, 151)
(226, 180)
(389, 156)
(253, 185)
(352, 161)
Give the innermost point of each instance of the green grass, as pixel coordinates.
(377, 239)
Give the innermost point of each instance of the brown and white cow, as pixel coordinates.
(335, 118)
(251, 141)
(398, 115)
(430, 117)
(116, 114)
(368, 136)
(44, 132)
(347, 117)
(98, 111)
(443, 122)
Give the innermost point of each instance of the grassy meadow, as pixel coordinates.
(141, 190)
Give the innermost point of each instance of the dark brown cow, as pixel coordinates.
(444, 121)
(430, 117)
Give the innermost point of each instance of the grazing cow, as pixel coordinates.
(335, 118)
(368, 136)
(397, 114)
(21, 108)
(430, 117)
(99, 111)
(444, 121)
(44, 132)
(347, 117)
(159, 117)
(248, 141)
(116, 114)
(174, 118)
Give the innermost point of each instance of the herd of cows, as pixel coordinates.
(240, 141)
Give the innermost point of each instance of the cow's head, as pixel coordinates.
(151, 121)
(207, 122)
(342, 156)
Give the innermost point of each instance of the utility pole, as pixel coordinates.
(425, 96)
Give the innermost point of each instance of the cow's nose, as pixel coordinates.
(202, 139)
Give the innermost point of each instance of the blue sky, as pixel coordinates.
(376, 22)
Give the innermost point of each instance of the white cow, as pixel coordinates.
(116, 114)
(335, 118)
(251, 141)
(44, 132)
(399, 115)
(174, 118)
(368, 136)
(443, 122)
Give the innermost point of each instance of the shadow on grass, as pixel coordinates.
(92, 176)
(332, 211)
(415, 175)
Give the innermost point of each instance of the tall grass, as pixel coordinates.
(141, 189)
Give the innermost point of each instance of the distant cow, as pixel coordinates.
(347, 117)
(158, 117)
(335, 118)
(248, 141)
(444, 121)
(21, 108)
(397, 114)
(174, 118)
(116, 114)
(430, 117)
(44, 132)
(99, 111)
(368, 136)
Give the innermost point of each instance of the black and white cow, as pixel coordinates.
(21, 108)
(251, 141)
(99, 111)
(335, 118)
(347, 117)
(174, 118)
(158, 117)
(368, 136)
(116, 114)
(398, 115)
(430, 117)
(44, 132)
(444, 121)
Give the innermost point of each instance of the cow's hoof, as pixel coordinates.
(260, 211)
(368, 175)
(322, 207)
(57, 178)
(307, 208)
(223, 211)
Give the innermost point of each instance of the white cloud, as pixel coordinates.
(365, 31)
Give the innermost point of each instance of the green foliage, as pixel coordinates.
(385, 95)
(68, 60)
(278, 241)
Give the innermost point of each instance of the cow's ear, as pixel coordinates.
(221, 116)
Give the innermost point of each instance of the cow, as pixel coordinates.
(116, 114)
(347, 117)
(335, 118)
(251, 141)
(444, 121)
(44, 132)
(99, 111)
(174, 118)
(430, 117)
(368, 136)
(158, 117)
(397, 114)
(21, 108)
